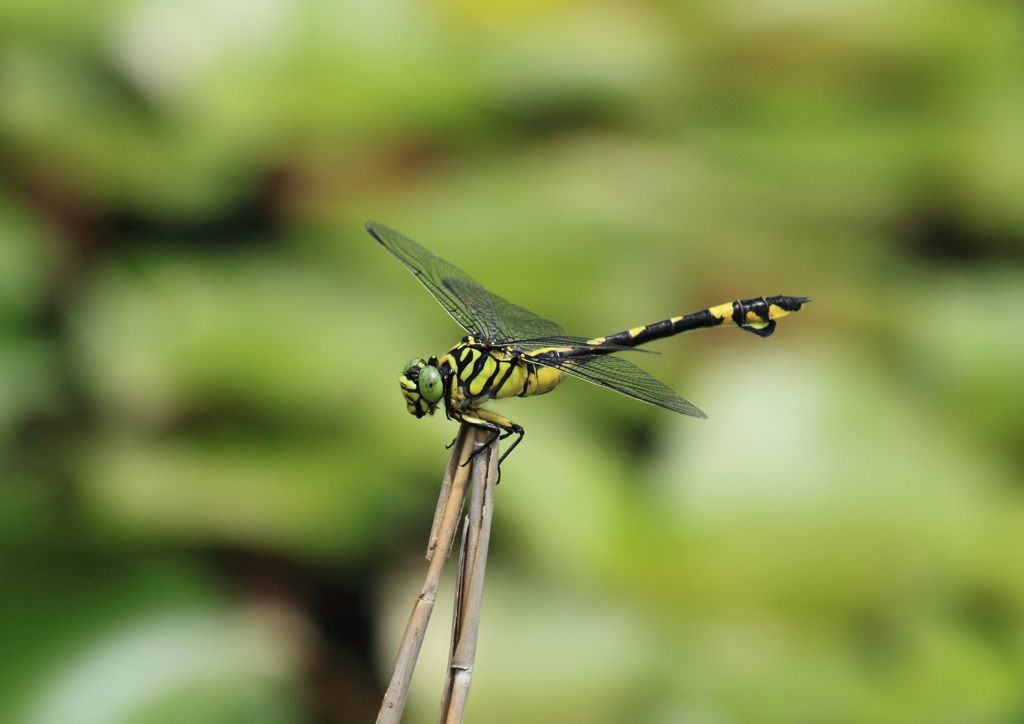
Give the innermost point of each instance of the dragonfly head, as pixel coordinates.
(422, 386)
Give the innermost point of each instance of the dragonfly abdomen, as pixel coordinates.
(756, 315)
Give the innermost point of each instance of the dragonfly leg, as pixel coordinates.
(522, 433)
(499, 427)
(494, 430)
(507, 426)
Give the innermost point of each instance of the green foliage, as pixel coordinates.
(210, 489)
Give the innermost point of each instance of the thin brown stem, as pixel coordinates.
(472, 565)
(446, 519)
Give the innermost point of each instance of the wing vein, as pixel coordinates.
(622, 376)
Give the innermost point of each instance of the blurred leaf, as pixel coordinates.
(963, 354)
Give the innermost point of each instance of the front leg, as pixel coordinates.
(499, 427)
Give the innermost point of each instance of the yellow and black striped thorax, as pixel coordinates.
(480, 372)
(472, 373)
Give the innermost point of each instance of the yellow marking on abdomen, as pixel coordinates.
(723, 312)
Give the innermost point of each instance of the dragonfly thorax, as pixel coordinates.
(469, 375)
(475, 373)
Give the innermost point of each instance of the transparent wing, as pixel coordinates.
(468, 302)
(519, 324)
(476, 302)
(622, 376)
(480, 312)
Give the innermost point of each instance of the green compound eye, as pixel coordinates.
(430, 384)
(414, 362)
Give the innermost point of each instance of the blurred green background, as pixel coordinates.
(213, 504)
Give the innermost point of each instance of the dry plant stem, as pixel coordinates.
(446, 520)
(472, 564)
(460, 445)
(457, 615)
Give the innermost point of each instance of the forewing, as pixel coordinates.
(478, 303)
(470, 304)
(517, 324)
(622, 376)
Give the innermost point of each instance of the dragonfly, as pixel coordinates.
(511, 352)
